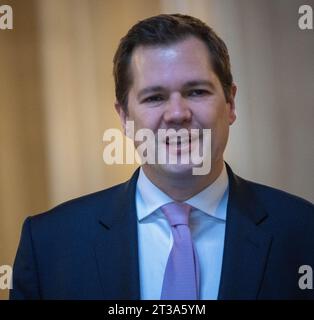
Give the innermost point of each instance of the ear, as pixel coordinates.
(122, 114)
(231, 103)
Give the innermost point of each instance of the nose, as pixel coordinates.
(177, 110)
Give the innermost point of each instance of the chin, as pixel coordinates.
(176, 170)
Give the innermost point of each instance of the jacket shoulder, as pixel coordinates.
(271, 194)
(80, 210)
(282, 204)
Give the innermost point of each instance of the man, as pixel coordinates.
(231, 239)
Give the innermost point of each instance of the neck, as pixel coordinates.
(181, 188)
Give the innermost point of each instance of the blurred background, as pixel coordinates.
(57, 96)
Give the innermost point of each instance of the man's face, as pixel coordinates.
(174, 86)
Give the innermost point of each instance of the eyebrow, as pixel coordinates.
(189, 84)
(199, 83)
(151, 89)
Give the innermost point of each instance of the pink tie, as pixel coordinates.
(181, 278)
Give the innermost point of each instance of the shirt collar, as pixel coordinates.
(210, 199)
(149, 197)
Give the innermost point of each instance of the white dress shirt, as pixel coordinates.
(207, 224)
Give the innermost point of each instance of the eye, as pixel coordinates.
(198, 93)
(155, 98)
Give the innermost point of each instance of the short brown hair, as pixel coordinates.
(166, 29)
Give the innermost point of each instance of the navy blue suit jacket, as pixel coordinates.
(87, 248)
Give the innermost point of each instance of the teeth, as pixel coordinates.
(179, 140)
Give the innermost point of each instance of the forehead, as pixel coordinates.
(184, 60)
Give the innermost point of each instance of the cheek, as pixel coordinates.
(215, 117)
(144, 119)
(220, 126)
(220, 133)
(209, 117)
(211, 112)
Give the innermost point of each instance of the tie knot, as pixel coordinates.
(177, 213)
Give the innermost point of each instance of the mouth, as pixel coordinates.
(178, 141)
(183, 145)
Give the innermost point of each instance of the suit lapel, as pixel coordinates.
(246, 244)
(116, 247)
